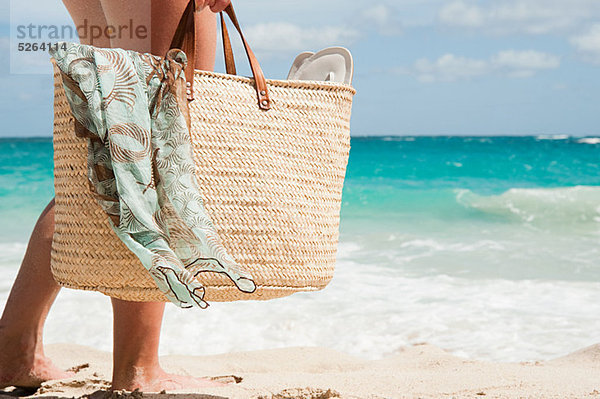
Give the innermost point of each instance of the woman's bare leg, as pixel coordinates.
(90, 13)
(164, 17)
(22, 359)
(136, 331)
(136, 328)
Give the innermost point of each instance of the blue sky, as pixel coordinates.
(423, 67)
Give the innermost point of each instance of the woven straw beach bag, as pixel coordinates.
(271, 158)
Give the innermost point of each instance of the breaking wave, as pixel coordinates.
(579, 204)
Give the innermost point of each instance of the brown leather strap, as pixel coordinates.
(262, 91)
(227, 50)
(185, 39)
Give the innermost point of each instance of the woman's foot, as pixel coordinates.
(28, 373)
(135, 352)
(159, 380)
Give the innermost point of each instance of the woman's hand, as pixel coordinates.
(215, 5)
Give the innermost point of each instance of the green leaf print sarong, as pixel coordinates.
(132, 109)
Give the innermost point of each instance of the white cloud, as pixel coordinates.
(511, 63)
(283, 37)
(524, 63)
(577, 19)
(459, 13)
(588, 44)
(449, 68)
(520, 16)
(383, 18)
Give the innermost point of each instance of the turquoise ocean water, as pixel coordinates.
(484, 246)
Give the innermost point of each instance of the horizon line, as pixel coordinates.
(542, 135)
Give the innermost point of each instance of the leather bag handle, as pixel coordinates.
(185, 39)
(227, 50)
(262, 91)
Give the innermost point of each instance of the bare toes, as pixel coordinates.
(32, 376)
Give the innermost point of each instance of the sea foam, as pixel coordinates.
(370, 312)
(565, 205)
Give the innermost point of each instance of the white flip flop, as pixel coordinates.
(333, 64)
(298, 62)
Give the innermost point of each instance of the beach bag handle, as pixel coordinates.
(185, 39)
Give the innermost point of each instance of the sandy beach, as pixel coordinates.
(419, 371)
